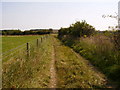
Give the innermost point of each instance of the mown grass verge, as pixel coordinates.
(73, 72)
(29, 72)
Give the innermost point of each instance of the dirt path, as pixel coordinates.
(52, 70)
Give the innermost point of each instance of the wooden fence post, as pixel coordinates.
(28, 49)
(37, 42)
(41, 39)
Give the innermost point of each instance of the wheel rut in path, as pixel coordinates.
(52, 69)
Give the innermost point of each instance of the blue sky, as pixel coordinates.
(43, 14)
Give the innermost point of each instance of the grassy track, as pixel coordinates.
(9, 42)
(73, 71)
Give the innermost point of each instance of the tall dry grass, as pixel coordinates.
(101, 51)
(23, 71)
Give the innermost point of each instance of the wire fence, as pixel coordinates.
(26, 49)
(22, 62)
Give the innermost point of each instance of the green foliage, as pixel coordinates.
(114, 72)
(63, 32)
(50, 30)
(11, 32)
(117, 40)
(101, 51)
(102, 48)
(79, 29)
(27, 32)
(9, 42)
(73, 72)
(33, 71)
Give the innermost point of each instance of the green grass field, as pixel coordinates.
(34, 70)
(10, 42)
(28, 71)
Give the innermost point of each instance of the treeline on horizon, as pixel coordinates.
(26, 32)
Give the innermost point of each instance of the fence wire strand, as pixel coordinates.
(22, 49)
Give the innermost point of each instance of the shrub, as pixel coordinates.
(79, 29)
(117, 39)
(100, 50)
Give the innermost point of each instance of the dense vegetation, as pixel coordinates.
(23, 71)
(78, 29)
(73, 71)
(27, 32)
(101, 48)
(117, 39)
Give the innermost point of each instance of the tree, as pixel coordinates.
(50, 30)
(80, 29)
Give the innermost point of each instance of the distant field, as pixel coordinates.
(10, 42)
